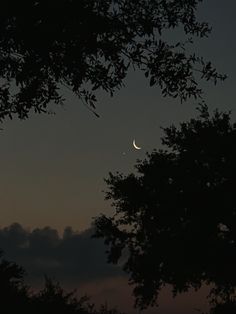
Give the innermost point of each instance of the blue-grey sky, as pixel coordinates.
(52, 166)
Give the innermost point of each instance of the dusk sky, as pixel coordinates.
(53, 166)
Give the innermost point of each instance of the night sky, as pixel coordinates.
(53, 166)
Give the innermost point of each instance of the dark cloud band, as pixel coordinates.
(73, 258)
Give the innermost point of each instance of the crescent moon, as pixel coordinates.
(135, 146)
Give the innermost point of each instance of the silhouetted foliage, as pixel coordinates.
(88, 45)
(16, 297)
(224, 308)
(13, 291)
(53, 299)
(174, 220)
(223, 301)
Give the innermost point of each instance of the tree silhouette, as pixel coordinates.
(223, 308)
(14, 294)
(54, 299)
(16, 297)
(90, 45)
(174, 220)
(222, 301)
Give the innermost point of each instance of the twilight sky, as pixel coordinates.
(52, 167)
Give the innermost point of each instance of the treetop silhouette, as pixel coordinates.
(88, 45)
(174, 219)
(17, 297)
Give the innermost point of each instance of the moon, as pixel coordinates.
(135, 146)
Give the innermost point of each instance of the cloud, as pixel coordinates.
(78, 261)
(74, 258)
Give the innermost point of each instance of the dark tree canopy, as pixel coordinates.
(88, 45)
(175, 219)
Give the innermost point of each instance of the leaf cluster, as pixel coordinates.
(89, 45)
(175, 219)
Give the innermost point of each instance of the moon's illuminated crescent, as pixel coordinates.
(135, 146)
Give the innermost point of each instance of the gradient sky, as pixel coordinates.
(52, 166)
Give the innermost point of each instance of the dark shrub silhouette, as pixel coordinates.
(90, 45)
(14, 294)
(175, 219)
(223, 301)
(16, 297)
(53, 299)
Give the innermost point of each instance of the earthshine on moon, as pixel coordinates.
(135, 146)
